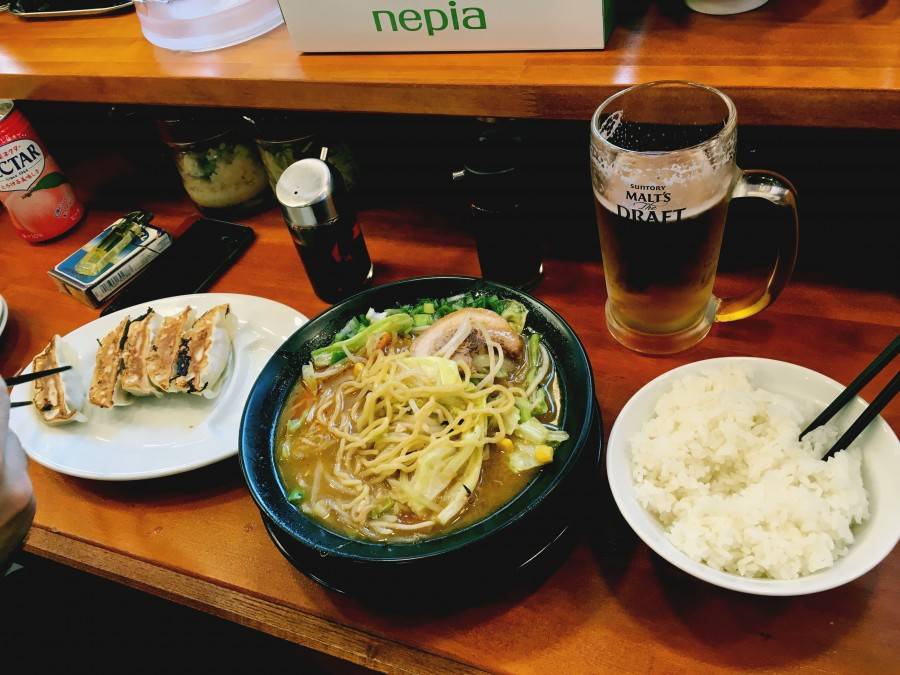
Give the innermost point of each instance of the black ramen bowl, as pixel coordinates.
(488, 552)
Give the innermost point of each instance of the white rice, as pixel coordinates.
(720, 467)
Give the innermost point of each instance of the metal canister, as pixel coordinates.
(323, 226)
(39, 198)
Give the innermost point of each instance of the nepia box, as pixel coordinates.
(446, 25)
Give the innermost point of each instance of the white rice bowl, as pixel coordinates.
(704, 533)
(719, 465)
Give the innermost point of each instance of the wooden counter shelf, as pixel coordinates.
(197, 539)
(793, 62)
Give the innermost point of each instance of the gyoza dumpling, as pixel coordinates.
(164, 351)
(58, 398)
(205, 353)
(135, 354)
(105, 390)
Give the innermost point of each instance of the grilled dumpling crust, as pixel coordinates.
(205, 352)
(107, 367)
(135, 352)
(164, 351)
(49, 394)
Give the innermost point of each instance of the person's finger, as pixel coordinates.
(13, 460)
(4, 425)
(15, 485)
(16, 461)
(4, 408)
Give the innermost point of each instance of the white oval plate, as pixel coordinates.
(4, 314)
(156, 437)
(881, 469)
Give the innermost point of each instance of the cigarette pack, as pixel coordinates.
(111, 260)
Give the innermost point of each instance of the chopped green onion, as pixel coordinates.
(356, 331)
(295, 496)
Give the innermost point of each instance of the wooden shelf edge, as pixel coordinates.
(788, 106)
(310, 631)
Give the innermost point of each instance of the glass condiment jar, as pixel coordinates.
(284, 138)
(220, 169)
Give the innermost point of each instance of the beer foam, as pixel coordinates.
(690, 182)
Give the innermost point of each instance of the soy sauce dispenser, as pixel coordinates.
(322, 223)
(496, 180)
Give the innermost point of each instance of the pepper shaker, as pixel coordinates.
(323, 226)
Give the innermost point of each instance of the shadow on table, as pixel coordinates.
(754, 631)
(210, 483)
(562, 576)
(866, 8)
(714, 625)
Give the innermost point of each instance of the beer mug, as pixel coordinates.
(663, 172)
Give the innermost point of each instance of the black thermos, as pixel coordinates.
(496, 178)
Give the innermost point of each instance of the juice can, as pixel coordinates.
(37, 195)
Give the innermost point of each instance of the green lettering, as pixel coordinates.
(409, 16)
(453, 14)
(434, 19)
(476, 21)
(430, 26)
(378, 20)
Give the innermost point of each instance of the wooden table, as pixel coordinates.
(795, 62)
(197, 539)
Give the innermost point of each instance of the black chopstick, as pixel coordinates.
(866, 417)
(20, 404)
(22, 379)
(854, 387)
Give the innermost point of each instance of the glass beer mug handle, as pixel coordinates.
(778, 190)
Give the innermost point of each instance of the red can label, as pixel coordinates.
(21, 164)
(37, 195)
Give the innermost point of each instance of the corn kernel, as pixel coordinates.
(543, 454)
(357, 369)
(505, 445)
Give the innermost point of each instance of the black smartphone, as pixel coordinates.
(190, 265)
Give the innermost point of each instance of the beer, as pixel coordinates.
(663, 172)
(659, 275)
